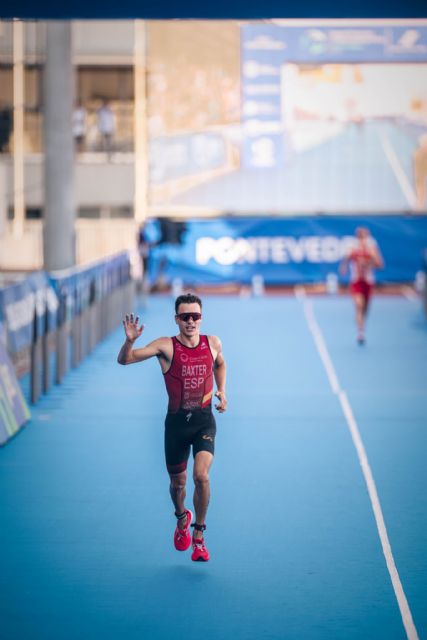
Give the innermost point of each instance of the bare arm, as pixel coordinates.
(377, 258)
(129, 355)
(220, 374)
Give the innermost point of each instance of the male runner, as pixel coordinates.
(363, 258)
(189, 362)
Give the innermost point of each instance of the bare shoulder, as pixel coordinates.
(215, 345)
(164, 345)
(214, 341)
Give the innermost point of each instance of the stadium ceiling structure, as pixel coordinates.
(212, 9)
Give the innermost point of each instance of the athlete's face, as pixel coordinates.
(188, 324)
(362, 234)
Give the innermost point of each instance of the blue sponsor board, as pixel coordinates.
(45, 302)
(14, 411)
(17, 314)
(79, 287)
(275, 44)
(23, 309)
(287, 250)
(263, 53)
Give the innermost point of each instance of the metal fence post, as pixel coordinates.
(36, 363)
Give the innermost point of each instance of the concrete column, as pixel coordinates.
(18, 128)
(59, 250)
(140, 122)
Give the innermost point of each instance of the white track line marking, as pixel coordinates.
(321, 347)
(398, 171)
(405, 612)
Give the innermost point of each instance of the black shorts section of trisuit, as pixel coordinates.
(187, 429)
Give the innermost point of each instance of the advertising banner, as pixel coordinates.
(45, 301)
(23, 303)
(78, 287)
(17, 314)
(14, 411)
(287, 250)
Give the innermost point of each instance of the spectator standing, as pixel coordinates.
(106, 123)
(5, 127)
(79, 127)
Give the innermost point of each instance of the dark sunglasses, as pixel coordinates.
(185, 317)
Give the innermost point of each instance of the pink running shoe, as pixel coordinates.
(182, 537)
(200, 553)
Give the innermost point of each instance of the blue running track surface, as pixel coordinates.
(86, 522)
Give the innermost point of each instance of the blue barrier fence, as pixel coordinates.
(49, 322)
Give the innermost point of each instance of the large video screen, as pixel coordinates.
(287, 119)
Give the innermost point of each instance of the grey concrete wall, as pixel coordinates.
(94, 41)
(98, 181)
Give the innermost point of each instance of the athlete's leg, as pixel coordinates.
(182, 535)
(359, 303)
(366, 298)
(177, 451)
(365, 292)
(177, 490)
(202, 464)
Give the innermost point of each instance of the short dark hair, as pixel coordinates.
(187, 298)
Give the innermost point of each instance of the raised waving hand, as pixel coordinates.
(130, 325)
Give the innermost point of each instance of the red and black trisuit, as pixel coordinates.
(361, 273)
(189, 421)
